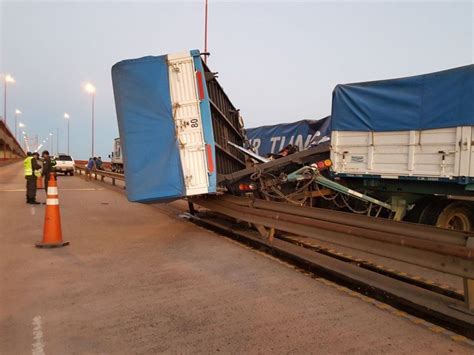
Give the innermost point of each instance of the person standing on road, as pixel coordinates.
(48, 167)
(89, 167)
(32, 172)
(98, 163)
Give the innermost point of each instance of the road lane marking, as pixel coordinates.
(38, 344)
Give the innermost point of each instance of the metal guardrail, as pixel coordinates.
(445, 251)
(102, 174)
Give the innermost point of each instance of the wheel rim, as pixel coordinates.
(458, 221)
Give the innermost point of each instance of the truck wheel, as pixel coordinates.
(458, 216)
(416, 213)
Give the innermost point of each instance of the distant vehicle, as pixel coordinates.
(116, 157)
(64, 164)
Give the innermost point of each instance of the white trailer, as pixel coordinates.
(436, 154)
(116, 158)
(410, 140)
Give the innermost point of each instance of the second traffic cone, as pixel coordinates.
(39, 183)
(52, 234)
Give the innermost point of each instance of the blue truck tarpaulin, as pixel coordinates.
(144, 113)
(437, 100)
(272, 139)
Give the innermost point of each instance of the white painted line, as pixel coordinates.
(23, 190)
(85, 189)
(37, 347)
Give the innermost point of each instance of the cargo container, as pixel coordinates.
(410, 139)
(410, 128)
(175, 123)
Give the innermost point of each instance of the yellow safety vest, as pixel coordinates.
(28, 166)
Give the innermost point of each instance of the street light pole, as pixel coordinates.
(205, 33)
(5, 101)
(7, 79)
(93, 123)
(91, 90)
(17, 112)
(57, 141)
(67, 117)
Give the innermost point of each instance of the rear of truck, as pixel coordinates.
(175, 122)
(410, 140)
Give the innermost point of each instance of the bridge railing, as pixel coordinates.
(100, 174)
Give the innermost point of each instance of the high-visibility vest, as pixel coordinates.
(28, 166)
(37, 172)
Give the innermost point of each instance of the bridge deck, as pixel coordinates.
(137, 279)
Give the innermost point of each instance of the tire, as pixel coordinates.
(429, 215)
(416, 213)
(457, 216)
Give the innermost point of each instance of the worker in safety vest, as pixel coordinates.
(32, 172)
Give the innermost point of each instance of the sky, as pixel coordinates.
(277, 61)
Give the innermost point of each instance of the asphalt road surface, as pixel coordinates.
(137, 279)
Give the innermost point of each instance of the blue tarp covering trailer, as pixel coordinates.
(174, 122)
(273, 138)
(429, 101)
(147, 130)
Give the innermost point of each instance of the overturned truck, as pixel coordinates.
(400, 149)
(175, 123)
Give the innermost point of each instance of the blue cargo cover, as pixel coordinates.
(437, 100)
(272, 139)
(147, 130)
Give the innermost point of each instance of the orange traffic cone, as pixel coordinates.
(39, 183)
(52, 235)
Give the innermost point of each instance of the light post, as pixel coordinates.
(67, 118)
(17, 113)
(57, 141)
(205, 32)
(91, 90)
(8, 79)
(21, 125)
(25, 138)
(51, 143)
